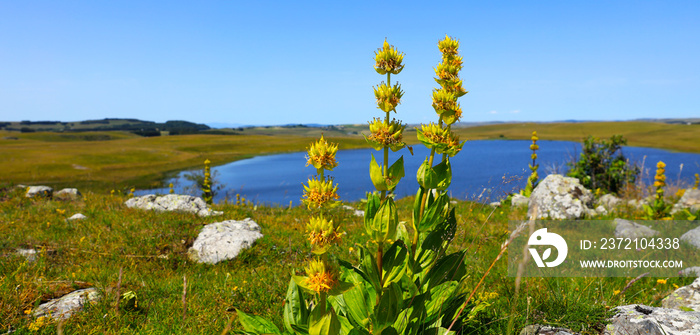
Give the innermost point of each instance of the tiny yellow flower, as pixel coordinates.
(28, 311)
(321, 155)
(320, 193)
(661, 281)
(82, 239)
(351, 249)
(60, 211)
(675, 286)
(616, 292)
(322, 277)
(235, 288)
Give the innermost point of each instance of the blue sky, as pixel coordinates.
(268, 62)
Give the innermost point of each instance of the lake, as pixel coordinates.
(485, 171)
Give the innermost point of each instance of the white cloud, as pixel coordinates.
(515, 111)
(493, 112)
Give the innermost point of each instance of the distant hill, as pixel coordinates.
(140, 127)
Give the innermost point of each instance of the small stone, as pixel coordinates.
(172, 202)
(221, 241)
(77, 217)
(68, 194)
(67, 305)
(28, 254)
(692, 237)
(632, 230)
(39, 191)
(609, 201)
(495, 204)
(638, 319)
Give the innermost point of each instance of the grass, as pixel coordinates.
(150, 248)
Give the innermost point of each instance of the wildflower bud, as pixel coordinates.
(445, 104)
(321, 155)
(443, 140)
(322, 234)
(388, 97)
(320, 193)
(388, 59)
(321, 276)
(390, 136)
(448, 46)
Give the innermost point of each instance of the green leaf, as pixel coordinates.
(368, 267)
(396, 172)
(256, 324)
(385, 222)
(394, 263)
(434, 213)
(448, 268)
(377, 176)
(439, 298)
(295, 310)
(388, 308)
(359, 305)
(323, 321)
(443, 173)
(371, 209)
(410, 319)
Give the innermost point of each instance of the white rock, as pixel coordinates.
(559, 197)
(692, 237)
(355, 212)
(639, 319)
(68, 193)
(689, 200)
(223, 240)
(632, 230)
(609, 201)
(172, 202)
(77, 217)
(518, 200)
(495, 204)
(43, 191)
(28, 254)
(684, 297)
(65, 306)
(693, 271)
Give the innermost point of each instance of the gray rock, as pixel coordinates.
(629, 229)
(40, 191)
(689, 200)
(692, 237)
(223, 240)
(519, 200)
(67, 305)
(638, 204)
(68, 194)
(691, 271)
(559, 197)
(639, 319)
(77, 217)
(609, 201)
(687, 297)
(172, 202)
(545, 330)
(28, 254)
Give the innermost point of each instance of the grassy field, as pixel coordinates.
(150, 249)
(102, 161)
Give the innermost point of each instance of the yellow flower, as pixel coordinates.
(616, 292)
(322, 277)
(322, 233)
(534, 137)
(60, 211)
(38, 323)
(534, 146)
(390, 136)
(388, 59)
(388, 97)
(28, 311)
(448, 46)
(321, 155)
(442, 139)
(660, 165)
(661, 281)
(445, 104)
(320, 193)
(675, 286)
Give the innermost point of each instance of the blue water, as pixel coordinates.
(485, 170)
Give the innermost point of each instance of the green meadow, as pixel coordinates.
(149, 249)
